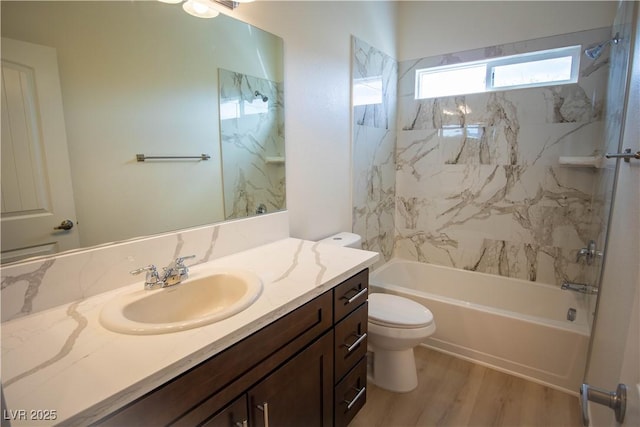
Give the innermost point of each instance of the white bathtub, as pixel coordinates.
(511, 325)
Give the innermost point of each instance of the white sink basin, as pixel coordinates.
(204, 298)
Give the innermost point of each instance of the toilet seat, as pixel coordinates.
(397, 312)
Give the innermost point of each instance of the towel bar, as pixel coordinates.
(142, 157)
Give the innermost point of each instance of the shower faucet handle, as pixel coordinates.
(589, 253)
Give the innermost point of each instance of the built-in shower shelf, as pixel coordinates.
(275, 160)
(581, 161)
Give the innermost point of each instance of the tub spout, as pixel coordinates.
(579, 287)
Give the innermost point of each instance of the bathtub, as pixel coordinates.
(511, 325)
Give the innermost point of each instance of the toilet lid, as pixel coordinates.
(392, 310)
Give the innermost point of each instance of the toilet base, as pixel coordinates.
(394, 370)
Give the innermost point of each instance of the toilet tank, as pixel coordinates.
(350, 240)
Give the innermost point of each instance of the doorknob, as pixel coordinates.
(67, 224)
(616, 400)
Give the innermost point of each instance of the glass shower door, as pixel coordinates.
(604, 185)
(614, 348)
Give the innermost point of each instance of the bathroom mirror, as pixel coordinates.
(140, 78)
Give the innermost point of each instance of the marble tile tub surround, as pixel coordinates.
(478, 183)
(374, 143)
(62, 359)
(31, 287)
(252, 141)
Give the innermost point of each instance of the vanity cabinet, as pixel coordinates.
(235, 414)
(293, 395)
(304, 369)
(350, 324)
(297, 393)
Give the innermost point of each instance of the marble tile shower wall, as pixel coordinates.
(374, 144)
(478, 182)
(252, 142)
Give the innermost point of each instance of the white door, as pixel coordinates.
(615, 351)
(36, 179)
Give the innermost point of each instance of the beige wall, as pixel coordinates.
(430, 28)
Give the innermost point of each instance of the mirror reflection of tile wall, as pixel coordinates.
(252, 143)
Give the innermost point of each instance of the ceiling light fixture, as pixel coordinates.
(205, 8)
(200, 8)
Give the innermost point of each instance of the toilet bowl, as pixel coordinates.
(396, 325)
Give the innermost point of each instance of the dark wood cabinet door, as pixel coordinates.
(234, 415)
(300, 393)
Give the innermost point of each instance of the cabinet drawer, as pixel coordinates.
(351, 394)
(350, 340)
(348, 295)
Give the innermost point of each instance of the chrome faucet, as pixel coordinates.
(589, 253)
(579, 287)
(152, 280)
(173, 274)
(176, 272)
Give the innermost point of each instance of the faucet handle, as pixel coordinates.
(176, 272)
(150, 268)
(178, 265)
(152, 279)
(179, 262)
(589, 253)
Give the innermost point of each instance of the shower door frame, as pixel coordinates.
(614, 338)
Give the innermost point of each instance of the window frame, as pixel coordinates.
(569, 51)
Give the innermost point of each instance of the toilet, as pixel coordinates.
(396, 325)
(350, 240)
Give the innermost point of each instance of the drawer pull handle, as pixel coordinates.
(242, 423)
(355, 399)
(265, 413)
(351, 347)
(356, 296)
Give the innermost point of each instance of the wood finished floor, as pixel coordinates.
(454, 392)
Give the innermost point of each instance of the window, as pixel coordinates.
(367, 91)
(541, 68)
(235, 109)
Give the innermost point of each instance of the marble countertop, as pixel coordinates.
(62, 364)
